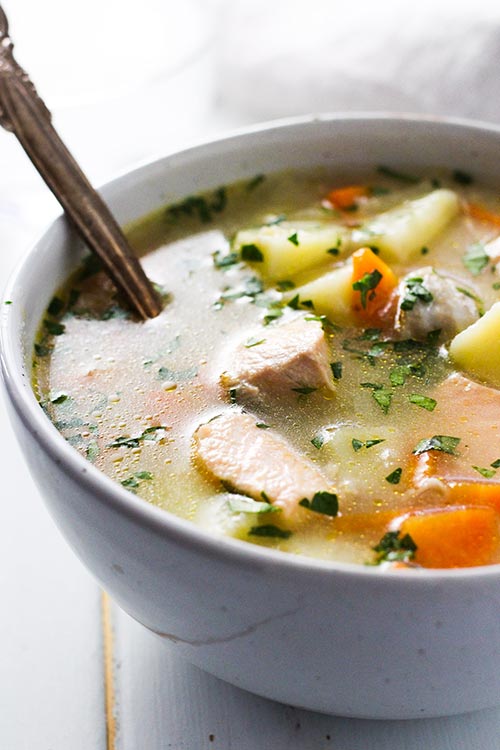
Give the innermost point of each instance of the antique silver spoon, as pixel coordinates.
(24, 113)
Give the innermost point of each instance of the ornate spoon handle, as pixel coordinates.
(24, 113)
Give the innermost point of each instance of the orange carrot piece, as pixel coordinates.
(346, 197)
(368, 303)
(476, 211)
(454, 537)
(476, 493)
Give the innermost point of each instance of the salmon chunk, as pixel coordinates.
(285, 358)
(254, 460)
(471, 412)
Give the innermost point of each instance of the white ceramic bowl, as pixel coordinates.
(336, 638)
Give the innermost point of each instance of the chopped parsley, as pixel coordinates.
(397, 175)
(395, 476)
(394, 548)
(424, 401)
(383, 397)
(305, 390)
(254, 341)
(318, 440)
(323, 502)
(224, 260)
(415, 291)
(56, 306)
(251, 253)
(255, 182)
(486, 473)
(479, 302)
(53, 328)
(496, 464)
(367, 283)
(358, 444)
(293, 239)
(153, 434)
(285, 286)
(462, 178)
(263, 426)
(92, 451)
(247, 505)
(59, 398)
(198, 207)
(475, 258)
(424, 250)
(336, 368)
(133, 482)
(443, 443)
(269, 530)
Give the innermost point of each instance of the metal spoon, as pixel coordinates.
(24, 113)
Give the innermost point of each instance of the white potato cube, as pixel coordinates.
(289, 248)
(477, 349)
(402, 232)
(331, 294)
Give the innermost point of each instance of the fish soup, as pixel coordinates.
(324, 377)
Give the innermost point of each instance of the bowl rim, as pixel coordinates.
(162, 522)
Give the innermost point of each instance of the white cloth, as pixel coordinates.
(283, 57)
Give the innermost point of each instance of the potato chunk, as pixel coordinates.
(331, 294)
(404, 230)
(287, 248)
(476, 349)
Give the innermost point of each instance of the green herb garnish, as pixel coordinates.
(269, 530)
(424, 401)
(323, 502)
(293, 239)
(255, 182)
(486, 473)
(367, 283)
(305, 390)
(56, 306)
(60, 398)
(395, 476)
(415, 292)
(443, 443)
(224, 260)
(475, 258)
(463, 178)
(397, 175)
(336, 369)
(55, 329)
(247, 505)
(393, 548)
(318, 440)
(251, 253)
(285, 286)
(150, 433)
(253, 342)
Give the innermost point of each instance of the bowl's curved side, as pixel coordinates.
(332, 638)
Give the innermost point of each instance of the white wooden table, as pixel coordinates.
(76, 673)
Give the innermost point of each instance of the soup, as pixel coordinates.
(323, 378)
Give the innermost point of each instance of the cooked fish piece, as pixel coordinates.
(280, 360)
(429, 301)
(257, 462)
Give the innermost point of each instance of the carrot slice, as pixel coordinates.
(373, 283)
(476, 211)
(346, 197)
(476, 493)
(454, 537)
